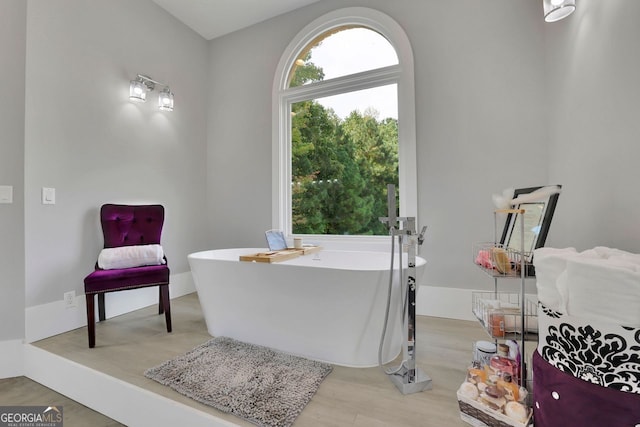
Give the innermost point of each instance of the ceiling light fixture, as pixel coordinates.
(142, 84)
(555, 10)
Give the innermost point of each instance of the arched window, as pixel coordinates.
(344, 126)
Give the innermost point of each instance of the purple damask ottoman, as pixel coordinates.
(585, 373)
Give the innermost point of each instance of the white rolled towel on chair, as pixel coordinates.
(130, 256)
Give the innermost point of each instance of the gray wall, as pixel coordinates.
(480, 101)
(84, 138)
(502, 99)
(594, 121)
(12, 67)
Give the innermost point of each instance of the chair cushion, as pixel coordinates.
(126, 278)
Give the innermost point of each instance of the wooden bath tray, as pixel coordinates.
(278, 256)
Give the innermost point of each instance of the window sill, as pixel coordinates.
(346, 243)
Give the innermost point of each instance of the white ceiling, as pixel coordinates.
(214, 18)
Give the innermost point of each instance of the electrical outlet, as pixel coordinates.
(70, 299)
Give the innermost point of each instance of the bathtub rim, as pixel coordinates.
(201, 255)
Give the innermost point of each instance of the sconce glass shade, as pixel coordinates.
(139, 87)
(137, 91)
(555, 10)
(165, 100)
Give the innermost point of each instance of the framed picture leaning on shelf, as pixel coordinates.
(539, 204)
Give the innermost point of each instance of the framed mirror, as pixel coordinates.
(539, 206)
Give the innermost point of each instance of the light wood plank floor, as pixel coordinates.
(21, 391)
(128, 345)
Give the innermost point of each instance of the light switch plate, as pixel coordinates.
(6, 193)
(48, 196)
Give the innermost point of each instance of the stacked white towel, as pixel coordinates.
(130, 256)
(550, 263)
(600, 283)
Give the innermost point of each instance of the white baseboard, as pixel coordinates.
(450, 303)
(11, 358)
(46, 320)
(111, 396)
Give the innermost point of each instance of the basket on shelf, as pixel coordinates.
(500, 314)
(489, 398)
(498, 260)
(478, 415)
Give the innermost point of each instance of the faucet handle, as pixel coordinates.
(421, 235)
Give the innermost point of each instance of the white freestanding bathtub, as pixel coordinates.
(328, 306)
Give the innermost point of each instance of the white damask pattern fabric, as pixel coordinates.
(598, 352)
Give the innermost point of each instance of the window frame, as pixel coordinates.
(283, 97)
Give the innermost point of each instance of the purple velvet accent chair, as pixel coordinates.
(127, 225)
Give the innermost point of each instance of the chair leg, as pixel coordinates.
(164, 292)
(91, 319)
(161, 304)
(101, 310)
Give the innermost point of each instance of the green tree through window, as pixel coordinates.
(340, 167)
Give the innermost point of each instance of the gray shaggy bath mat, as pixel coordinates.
(266, 387)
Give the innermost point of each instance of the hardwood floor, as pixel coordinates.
(128, 345)
(21, 391)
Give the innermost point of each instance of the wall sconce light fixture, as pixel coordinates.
(165, 100)
(142, 84)
(555, 10)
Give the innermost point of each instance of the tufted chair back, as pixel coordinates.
(126, 225)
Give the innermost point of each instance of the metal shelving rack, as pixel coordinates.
(517, 259)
